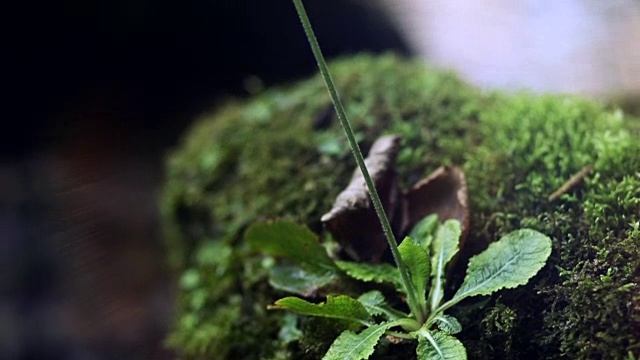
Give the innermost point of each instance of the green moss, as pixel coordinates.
(275, 156)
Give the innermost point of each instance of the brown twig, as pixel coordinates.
(571, 183)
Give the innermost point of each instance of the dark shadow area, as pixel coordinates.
(160, 59)
(99, 91)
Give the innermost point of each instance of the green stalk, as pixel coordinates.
(412, 298)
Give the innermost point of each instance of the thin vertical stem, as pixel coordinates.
(412, 297)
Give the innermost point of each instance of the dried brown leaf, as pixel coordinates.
(444, 192)
(352, 220)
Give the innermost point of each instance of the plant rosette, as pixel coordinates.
(506, 263)
(420, 259)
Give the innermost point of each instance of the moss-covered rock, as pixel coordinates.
(283, 154)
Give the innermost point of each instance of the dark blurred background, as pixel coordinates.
(98, 91)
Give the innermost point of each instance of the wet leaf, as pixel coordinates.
(376, 304)
(445, 246)
(424, 231)
(416, 258)
(505, 264)
(439, 346)
(448, 324)
(289, 240)
(299, 280)
(373, 301)
(352, 346)
(352, 220)
(336, 307)
(380, 273)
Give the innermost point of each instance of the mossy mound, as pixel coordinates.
(283, 154)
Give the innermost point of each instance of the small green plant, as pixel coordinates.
(507, 263)
(421, 260)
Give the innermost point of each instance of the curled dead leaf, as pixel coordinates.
(443, 192)
(352, 220)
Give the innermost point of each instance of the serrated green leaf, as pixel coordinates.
(352, 346)
(422, 233)
(376, 304)
(445, 246)
(300, 281)
(439, 346)
(337, 307)
(448, 324)
(379, 273)
(417, 261)
(372, 301)
(289, 240)
(506, 263)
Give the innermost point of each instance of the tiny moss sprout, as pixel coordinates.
(419, 275)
